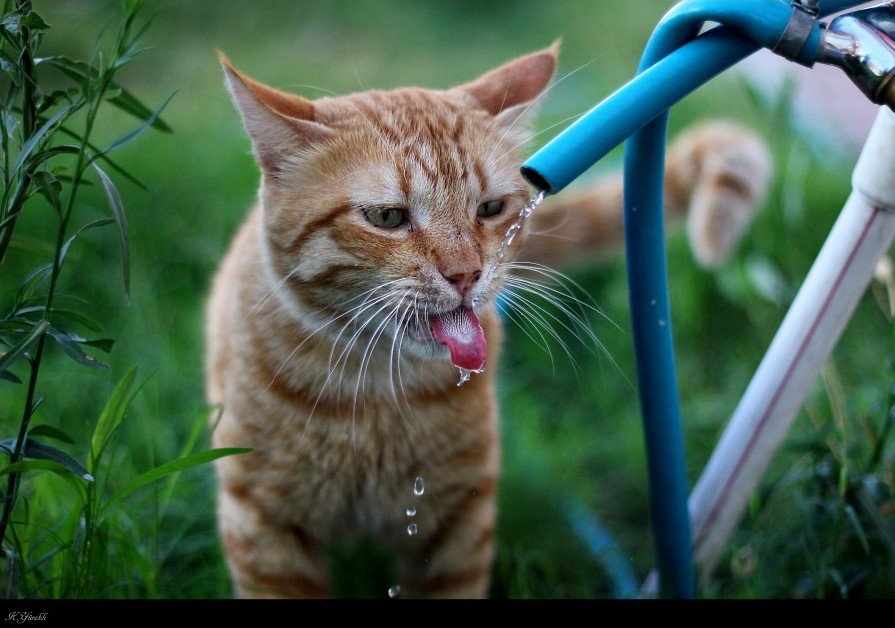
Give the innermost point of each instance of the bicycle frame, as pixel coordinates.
(676, 62)
(826, 300)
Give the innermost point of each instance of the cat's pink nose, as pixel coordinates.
(463, 281)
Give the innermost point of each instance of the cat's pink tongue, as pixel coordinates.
(462, 332)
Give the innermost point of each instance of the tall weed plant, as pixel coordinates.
(63, 527)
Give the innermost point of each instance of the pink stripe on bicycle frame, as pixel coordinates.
(713, 513)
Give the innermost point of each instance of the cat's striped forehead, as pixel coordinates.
(416, 145)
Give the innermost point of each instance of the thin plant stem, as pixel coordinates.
(28, 124)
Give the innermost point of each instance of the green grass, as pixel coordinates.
(822, 524)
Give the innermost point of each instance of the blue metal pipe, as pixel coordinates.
(654, 91)
(650, 307)
(639, 110)
(654, 350)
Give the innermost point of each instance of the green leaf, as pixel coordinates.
(11, 21)
(50, 187)
(23, 466)
(79, 318)
(124, 173)
(128, 102)
(30, 283)
(117, 207)
(36, 450)
(112, 93)
(14, 327)
(103, 344)
(9, 66)
(10, 122)
(32, 142)
(10, 377)
(74, 350)
(50, 432)
(199, 427)
(12, 356)
(139, 130)
(64, 149)
(73, 299)
(54, 97)
(172, 467)
(37, 274)
(78, 71)
(81, 73)
(858, 528)
(34, 22)
(101, 222)
(112, 415)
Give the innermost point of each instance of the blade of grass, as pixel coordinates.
(112, 415)
(117, 207)
(171, 467)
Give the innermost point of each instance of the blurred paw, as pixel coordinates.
(730, 170)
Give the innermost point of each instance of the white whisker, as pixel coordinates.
(562, 294)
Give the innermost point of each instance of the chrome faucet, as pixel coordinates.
(862, 43)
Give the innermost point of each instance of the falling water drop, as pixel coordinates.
(516, 227)
(411, 511)
(418, 487)
(465, 373)
(412, 529)
(394, 591)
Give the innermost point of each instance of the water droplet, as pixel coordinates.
(515, 228)
(661, 323)
(465, 373)
(394, 591)
(412, 529)
(418, 487)
(411, 511)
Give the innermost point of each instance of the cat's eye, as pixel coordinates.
(489, 208)
(386, 217)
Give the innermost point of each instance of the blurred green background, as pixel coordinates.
(571, 424)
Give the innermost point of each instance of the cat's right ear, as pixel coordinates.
(510, 91)
(281, 125)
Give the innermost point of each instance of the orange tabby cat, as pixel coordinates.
(363, 278)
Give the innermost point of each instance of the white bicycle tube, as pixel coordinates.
(841, 273)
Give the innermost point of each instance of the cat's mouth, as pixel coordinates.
(461, 332)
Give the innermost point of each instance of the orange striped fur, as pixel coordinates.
(320, 322)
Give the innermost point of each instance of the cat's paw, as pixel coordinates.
(725, 171)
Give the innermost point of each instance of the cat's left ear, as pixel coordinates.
(281, 125)
(510, 91)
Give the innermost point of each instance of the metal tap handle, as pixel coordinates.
(862, 43)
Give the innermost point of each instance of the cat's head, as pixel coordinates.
(387, 209)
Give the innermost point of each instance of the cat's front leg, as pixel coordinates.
(267, 560)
